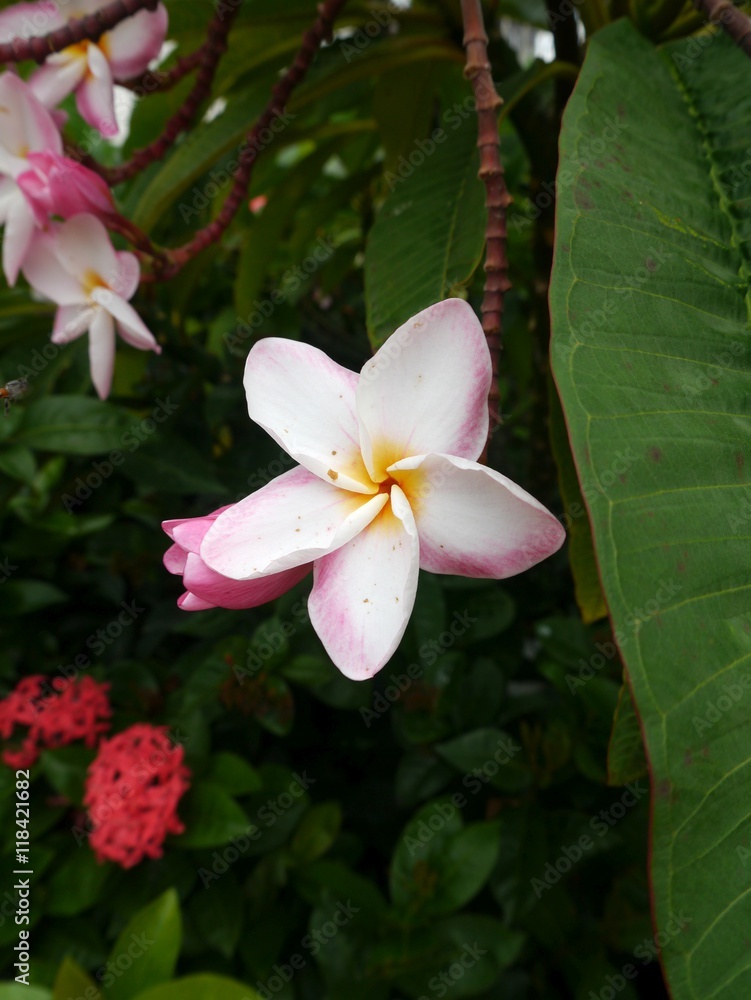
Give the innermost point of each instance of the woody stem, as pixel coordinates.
(487, 101)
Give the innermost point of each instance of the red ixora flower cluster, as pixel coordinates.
(132, 790)
(56, 713)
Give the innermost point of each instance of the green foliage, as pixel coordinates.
(435, 218)
(473, 822)
(652, 269)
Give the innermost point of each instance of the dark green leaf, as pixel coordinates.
(211, 817)
(650, 307)
(76, 883)
(233, 773)
(73, 425)
(317, 832)
(626, 758)
(435, 216)
(152, 941)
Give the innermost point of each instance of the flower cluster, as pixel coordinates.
(134, 783)
(388, 483)
(132, 791)
(53, 715)
(55, 210)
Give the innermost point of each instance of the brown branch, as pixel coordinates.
(208, 57)
(497, 199)
(320, 31)
(91, 28)
(734, 21)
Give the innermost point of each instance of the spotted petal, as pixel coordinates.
(364, 592)
(472, 521)
(306, 402)
(426, 389)
(294, 519)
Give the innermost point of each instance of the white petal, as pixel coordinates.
(132, 327)
(294, 519)
(129, 275)
(306, 402)
(102, 352)
(58, 77)
(45, 273)
(472, 521)
(95, 97)
(25, 20)
(25, 123)
(19, 231)
(426, 389)
(132, 45)
(71, 322)
(85, 250)
(363, 593)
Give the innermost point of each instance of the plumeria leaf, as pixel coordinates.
(588, 590)
(626, 757)
(435, 215)
(650, 307)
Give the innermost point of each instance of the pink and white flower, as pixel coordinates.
(56, 185)
(76, 266)
(388, 482)
(89, 69)
(26, 129)
(206, 588)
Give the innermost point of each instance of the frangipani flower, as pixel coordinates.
(76, 266)
(55, 185)
(26, 128)
(88, 68)
(207, 589)
(388, 482)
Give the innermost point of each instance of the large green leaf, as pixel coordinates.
(146, 951)
(430, 232)
(650, 312)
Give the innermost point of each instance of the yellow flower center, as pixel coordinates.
(92, 280)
